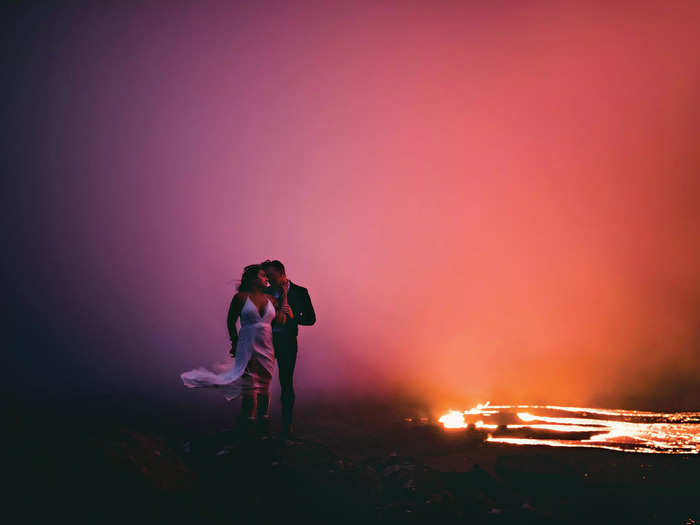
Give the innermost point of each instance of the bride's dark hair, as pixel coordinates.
(250, 275)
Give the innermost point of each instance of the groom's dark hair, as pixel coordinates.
(274, 264)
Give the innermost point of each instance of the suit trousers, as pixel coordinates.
(286, 354)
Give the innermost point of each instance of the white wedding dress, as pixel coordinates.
(254, 362)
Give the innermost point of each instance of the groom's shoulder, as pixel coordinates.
(298, 287)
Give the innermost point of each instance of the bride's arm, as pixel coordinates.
(234, 310)
(280, 316)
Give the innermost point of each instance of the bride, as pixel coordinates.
(252, 348)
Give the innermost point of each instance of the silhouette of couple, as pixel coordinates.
(271, 308)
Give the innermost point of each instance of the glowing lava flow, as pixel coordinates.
(453, 419)
(623, 430)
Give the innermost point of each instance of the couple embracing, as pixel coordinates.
(270, 308)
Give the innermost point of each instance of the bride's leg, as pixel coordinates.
(263, 405)
(263, 412)
(248, 405)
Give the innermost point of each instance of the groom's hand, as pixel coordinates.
(287, 310)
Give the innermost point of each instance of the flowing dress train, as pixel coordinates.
(254, 363)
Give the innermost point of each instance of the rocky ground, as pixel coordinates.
(361, 463)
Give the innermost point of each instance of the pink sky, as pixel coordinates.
(485, 203)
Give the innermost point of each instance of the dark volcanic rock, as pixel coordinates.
(341, 470)
(149, 459)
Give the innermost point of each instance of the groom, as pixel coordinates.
(284, 337)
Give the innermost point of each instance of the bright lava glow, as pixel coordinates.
(550, 425)
(453, 419)
(481, 409)
(481, 424)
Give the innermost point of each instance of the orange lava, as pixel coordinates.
(623, 430)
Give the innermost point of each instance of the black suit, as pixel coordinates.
(285, 343)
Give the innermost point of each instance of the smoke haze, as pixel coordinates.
(495, 202)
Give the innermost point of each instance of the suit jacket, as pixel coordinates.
(300, 303)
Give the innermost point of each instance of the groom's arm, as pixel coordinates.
(306, 315)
